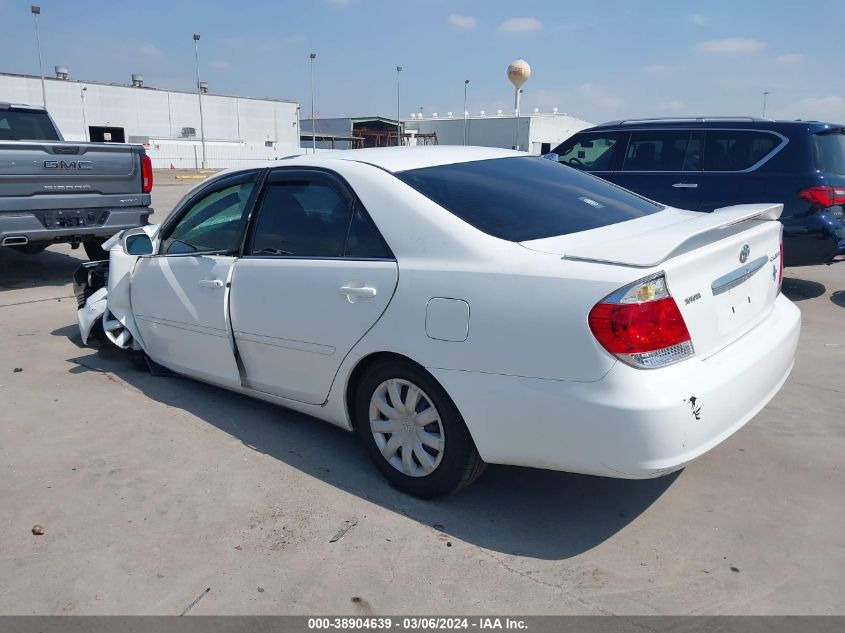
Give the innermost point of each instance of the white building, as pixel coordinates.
(237, 130)
(535, 132)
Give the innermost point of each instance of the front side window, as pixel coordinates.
(590, 152)
(519, 199)
(662, 150)
(736, 150)
(214, 223)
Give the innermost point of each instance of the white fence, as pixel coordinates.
(218, 154)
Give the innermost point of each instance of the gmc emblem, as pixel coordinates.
(68, 164)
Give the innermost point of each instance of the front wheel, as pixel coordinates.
(413, 431)
(94, 248)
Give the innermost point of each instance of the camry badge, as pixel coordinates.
(744, 252)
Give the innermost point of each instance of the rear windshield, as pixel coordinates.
(519, 199)
(830, 152)
(16, 125)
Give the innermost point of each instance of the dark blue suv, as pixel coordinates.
(707, 163)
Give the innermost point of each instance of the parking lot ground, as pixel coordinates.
(152, 489)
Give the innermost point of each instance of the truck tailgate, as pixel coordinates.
(43, 168)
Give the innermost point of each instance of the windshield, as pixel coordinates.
(26, 125)
(830, 152)
(519, 199)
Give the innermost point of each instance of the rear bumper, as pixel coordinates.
(815, 239)
(28, 225)
(632, 423)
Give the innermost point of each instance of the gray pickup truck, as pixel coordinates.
(54, 191)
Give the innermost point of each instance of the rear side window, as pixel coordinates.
(529, 198)
(663, 150)
(830, 151)
(736, 150)
(26, 126)
(310, 218)
(305, 219)
(594, 151)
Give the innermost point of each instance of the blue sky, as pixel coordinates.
(598, 61)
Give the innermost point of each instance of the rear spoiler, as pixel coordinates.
(652, 248)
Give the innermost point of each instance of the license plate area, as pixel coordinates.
(72, 218)
(739, 304)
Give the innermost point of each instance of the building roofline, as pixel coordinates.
(118, 85)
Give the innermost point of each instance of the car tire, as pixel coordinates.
(442, 458)
(94, 249)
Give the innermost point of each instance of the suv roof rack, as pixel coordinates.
(701, 119)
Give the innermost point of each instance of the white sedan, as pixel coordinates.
(462, 306)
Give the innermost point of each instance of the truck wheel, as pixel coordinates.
(94, 249)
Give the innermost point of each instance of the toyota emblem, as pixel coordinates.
(744, 252)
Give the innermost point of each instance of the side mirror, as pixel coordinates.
(138, 244)
(552, 156)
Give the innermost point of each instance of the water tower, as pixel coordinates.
(518, 72)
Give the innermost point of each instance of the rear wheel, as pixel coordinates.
(413, 431)
(94, 248)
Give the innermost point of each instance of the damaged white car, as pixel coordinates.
(461, 306)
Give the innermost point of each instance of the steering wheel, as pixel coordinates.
(575, 162)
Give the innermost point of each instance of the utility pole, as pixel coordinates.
(199, 96)
(765, 94)
(84, 123)
(36, 11)
(398, 109)
(312, 57)
(466, 83)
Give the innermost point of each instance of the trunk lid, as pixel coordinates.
(721, 268)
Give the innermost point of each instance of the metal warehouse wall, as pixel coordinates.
(145, 112)
(501, 131)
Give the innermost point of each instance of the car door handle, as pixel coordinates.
(685, 185)
(354, 292)
(211, 283)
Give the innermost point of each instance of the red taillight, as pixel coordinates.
(821, 197)
(146, 174)
(638, 327)
(642, 325)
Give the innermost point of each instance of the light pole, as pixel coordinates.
(199, 97)
(84, 124)
(398, 109)
(765, 94)
(312, 57)
(36, 11)
(421, 115)
(466, 84)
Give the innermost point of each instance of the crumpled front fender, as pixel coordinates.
(88, 315)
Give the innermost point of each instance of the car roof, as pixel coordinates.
(397, 159)
(716, 122)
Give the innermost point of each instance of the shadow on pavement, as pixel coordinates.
(48, 268)
(838, 298)
(801, 289)
(521, 511)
